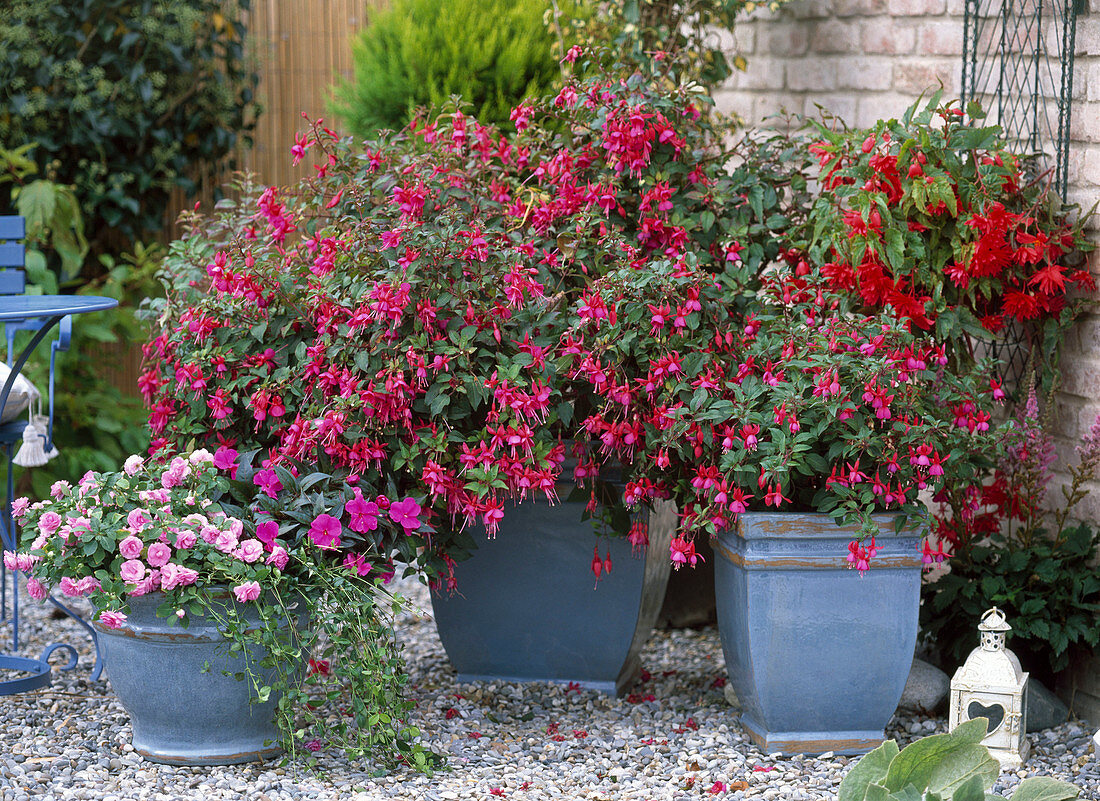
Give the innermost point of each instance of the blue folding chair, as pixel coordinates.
(13, 282)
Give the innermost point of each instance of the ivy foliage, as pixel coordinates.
(492, 53)
(125, 98)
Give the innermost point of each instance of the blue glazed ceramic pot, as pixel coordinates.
(817, 654)
(528, 607)
(171, 681)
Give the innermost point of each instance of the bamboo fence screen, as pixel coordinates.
(300, 47)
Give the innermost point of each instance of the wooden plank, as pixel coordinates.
(12, 227)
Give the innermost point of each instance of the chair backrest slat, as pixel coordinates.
(13, 282)
(11, 254)
(12, 227)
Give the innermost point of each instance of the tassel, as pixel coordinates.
(31, 453)
(42, 423)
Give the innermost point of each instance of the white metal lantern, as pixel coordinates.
(991, 685)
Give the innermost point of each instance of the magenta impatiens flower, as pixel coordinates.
(226, 459)
(267, 532)
(268, 482)
(406, 513)
(325, 532)
(364, 513)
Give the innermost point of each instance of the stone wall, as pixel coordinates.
(864, 60)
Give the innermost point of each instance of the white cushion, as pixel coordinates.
(23, 394)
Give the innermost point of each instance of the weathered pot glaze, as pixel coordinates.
(817, 654)
(527, 608)
(171, 681)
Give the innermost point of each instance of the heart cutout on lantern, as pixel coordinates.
(995, 714)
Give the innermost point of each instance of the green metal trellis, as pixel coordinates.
(1018, 63)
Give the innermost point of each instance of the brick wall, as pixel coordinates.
(863, 60)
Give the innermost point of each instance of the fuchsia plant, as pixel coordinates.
(456, 315)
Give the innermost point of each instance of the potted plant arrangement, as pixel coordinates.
(412, 314)
(830, 418)
(228, 620)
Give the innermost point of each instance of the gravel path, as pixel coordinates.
(674, 738)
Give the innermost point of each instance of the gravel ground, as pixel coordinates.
(674, 738)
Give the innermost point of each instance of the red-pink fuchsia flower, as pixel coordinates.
(249, 591)
(406, 513)
(325, 532)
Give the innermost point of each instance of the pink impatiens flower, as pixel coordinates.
(112, 620)
(325, 532)
(158, 554)
(49, 522)
(250, 551)
(278, 557)
(249, 591)
(132, 571)
(406, 513)
(226, 459)
(37, 590)
(267, 532)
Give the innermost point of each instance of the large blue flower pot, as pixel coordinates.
(527, 607)
(817, 653)
(171, 681)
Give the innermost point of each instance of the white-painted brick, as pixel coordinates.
(919, 75)
(1087, 159)
(763, 72)
(888, 36)
(1092, 82)
(865, 72)
(835, 36)
(740, 104)
(941, 38)
(785, 39)
(860, 8)
(839, 105)
(917, 8)
(809, 9)
(1085, 121)
(1088, 37)
(811, 74)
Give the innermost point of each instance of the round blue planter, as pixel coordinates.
(183, 708)
(817, 654)
(528, 608)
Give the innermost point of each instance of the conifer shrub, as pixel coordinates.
(493, 53)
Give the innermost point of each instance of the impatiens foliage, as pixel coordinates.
(191, 531)
(933, 217)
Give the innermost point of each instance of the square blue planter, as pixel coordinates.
(817, 654)
(528, 608)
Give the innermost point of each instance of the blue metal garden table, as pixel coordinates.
(39, 314)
